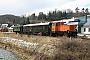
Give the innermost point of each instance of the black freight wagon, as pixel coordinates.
(38, 28)
(18, 29)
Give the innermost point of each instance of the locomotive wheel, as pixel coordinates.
(67, 34)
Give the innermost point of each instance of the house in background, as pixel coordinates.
(4, 28)
(83, 20)
(10, 29)
(85, 29)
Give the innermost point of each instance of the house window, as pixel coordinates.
(88, 29)
(84, 29)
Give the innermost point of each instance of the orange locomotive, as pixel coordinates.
(59, 28)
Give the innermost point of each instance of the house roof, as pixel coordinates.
(88, 23)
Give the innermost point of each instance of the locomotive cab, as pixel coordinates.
(55, 26)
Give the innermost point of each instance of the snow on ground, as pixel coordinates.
(42, 48)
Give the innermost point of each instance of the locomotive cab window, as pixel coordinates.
(55, 24)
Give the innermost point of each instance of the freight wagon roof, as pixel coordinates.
(18, 26)
(37, 24)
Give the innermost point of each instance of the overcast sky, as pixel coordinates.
(20, 7)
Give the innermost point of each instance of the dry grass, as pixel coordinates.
(65, 48)
(31, 38)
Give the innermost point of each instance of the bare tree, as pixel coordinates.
(83, 10)
(76, 9)
(87, 11)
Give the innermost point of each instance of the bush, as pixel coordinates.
(72, 46)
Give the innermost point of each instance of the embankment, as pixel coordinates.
(31, 47)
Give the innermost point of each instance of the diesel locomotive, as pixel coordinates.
(49, 28)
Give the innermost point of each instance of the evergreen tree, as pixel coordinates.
(27, 22)
(23, 23)
(49, 16)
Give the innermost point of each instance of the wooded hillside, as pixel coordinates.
(50, 16)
